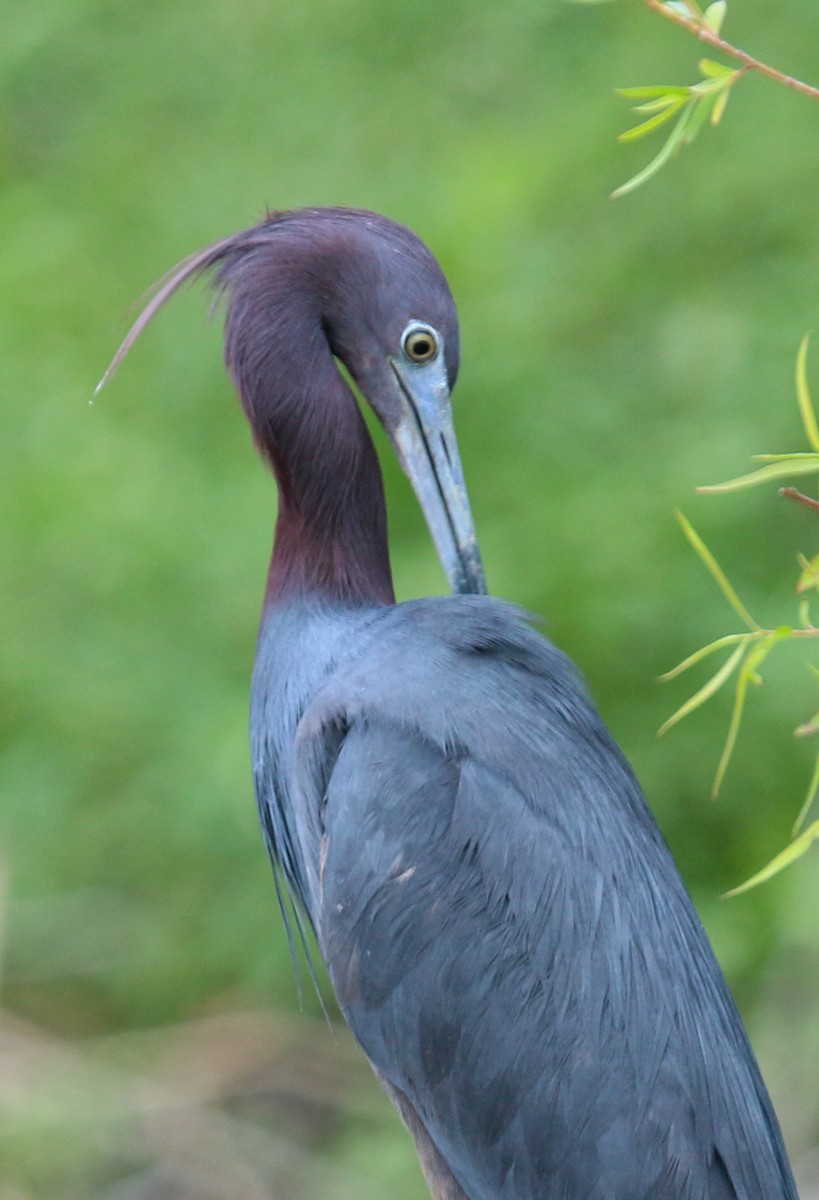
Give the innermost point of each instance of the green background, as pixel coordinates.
(615, 355)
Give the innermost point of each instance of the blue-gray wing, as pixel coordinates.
(510, 941)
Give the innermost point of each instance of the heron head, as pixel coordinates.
(307, 286)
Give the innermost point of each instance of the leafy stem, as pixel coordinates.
(689, 16)
(690, 108)
(749, 648)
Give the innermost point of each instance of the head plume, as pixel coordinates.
(325, 246)
(192, 267)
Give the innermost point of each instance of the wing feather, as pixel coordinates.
(511, 943)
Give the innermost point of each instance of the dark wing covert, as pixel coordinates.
(508, 936)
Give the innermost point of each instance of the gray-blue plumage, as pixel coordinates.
(504, 927)
(506, 932)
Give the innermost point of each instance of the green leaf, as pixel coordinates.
(730, 639)
(699, 116)
(809, 578)
(706, 691)
(684, 8)
(655, 89)
(652, 106)
(801, 455)
(784, 859)
(803, 395)
(747, 675)
(714, 15)
(674, 141)
(805, 619)
(716, 70)
(717, 572)
(720, 104)
(813, 787)
(778, 470)
(781, 466)
(708, 87)
(652, 123)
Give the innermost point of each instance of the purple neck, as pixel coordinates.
(331, 532)
(336, 549)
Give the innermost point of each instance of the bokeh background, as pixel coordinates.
(152, 1041)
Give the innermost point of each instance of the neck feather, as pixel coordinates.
(331, 531)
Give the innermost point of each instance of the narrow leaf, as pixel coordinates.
(706, 691)
(701, 110)
(717, 572)
(805, 619)
(782, 470)
(730, 639)
(654, 89)
(638, 131)
(747, 675)
(672, 144)
(801, 455)
(803, 395)
(809, 578)
(708, 87)
(789, 855)
(733, 731)
(715, 70)
(684, 8)
(714, 15)
(813, 787)
(652, 106)
(720, 104)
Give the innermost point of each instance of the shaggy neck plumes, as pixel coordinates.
(333, 545)
(331, 532)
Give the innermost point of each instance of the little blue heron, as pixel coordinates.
(502, 922)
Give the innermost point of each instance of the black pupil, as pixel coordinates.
(421, 346)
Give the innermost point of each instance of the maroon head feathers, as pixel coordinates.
(301, 289)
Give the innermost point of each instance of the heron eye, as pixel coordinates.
(420, 344)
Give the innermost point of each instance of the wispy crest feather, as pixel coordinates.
(168, 284)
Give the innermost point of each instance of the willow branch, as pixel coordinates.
(712, 39)
(799, 497)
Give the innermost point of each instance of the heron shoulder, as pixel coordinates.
(493, 889)
(454, 666)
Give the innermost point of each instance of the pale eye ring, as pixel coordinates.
(420, 343)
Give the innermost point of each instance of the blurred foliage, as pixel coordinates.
(750, 649)
(693, 106)
(701, 103)
(614, 356)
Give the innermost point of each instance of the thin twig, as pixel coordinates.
(759, 635)
(800, 497)
(712, 39)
